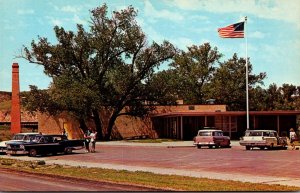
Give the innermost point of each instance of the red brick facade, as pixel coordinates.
(15, 106)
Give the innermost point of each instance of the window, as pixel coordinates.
(204, 134)
(254, 133)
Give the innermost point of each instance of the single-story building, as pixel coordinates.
(181, 122)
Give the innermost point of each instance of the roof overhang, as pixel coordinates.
(225, 113)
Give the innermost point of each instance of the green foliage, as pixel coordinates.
(194, 70)
(110, 66)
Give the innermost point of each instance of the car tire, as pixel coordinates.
(68, 150)
(271, 146)
(199, 146)
(261, 148)
(32, 152)
(247, 147)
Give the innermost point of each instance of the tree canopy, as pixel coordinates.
(108, 67)
(112, 67)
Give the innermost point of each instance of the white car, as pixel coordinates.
(17, 137)
(3, 146)
(262, 139)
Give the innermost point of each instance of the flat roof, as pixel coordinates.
(225, 113)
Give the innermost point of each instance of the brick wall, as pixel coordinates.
(125, 126)
(15, 101)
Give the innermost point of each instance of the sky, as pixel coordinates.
(272, 31)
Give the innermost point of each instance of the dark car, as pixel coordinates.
(43, 145)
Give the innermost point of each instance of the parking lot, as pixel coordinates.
(263, 166)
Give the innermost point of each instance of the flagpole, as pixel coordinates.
(247, 84)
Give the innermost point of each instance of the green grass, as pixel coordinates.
(167, 182)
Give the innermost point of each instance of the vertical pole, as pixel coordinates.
(247, 84)
(181, 127)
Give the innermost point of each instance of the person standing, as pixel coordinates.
(93, 136)
(293, 137)
(87, 140)
(64, 133)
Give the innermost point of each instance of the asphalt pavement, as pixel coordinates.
(169, 171)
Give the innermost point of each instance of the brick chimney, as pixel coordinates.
(15, 101)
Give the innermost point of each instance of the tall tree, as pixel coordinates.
(194, 70)
(108, 67)
(229, 83)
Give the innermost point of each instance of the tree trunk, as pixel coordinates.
(110, 126)
(82, 125)
(98, 124)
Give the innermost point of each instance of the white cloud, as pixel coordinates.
(71, 9)
(151, 12)
(285, 10)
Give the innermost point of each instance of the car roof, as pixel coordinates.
(27, 133)
(54, 135)
(261, 130)
(206, 130)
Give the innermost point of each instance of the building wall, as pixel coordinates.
(125, 126)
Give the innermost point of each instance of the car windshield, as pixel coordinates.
(261, 133)
(36, 138)
(204, 133)
(218, 133)
(29, 137)
(18, 137)
(254, 133)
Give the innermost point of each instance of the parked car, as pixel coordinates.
(3, 147)
(211, 138)
(263, 139)
(16, 137)
(43, 145)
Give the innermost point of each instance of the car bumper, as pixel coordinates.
(16, 152)
(204, 143)
(253, 143)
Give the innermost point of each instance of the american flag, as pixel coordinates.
(232, 31)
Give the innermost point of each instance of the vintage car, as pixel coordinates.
(43, 145)
(263, 139)
(3, 147)
(211, 138)
(16, 137)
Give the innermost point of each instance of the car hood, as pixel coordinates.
(3, 143)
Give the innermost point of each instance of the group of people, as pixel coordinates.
(90, 137)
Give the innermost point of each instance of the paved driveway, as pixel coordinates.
(267, 166)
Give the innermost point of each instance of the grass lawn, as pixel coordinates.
(168, 182)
